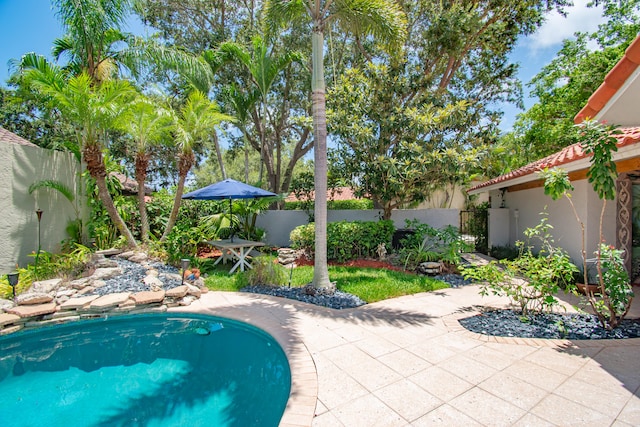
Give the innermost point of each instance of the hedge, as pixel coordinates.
(359, 204)
(346, 240)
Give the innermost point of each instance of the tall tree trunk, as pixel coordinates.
(185, 163)
(321, 271)
(216, 144)
(142, 161)
(97, 170)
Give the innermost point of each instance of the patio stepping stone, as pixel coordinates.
(33, 310)
(109, 252)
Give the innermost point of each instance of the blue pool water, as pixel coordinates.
(144, 370)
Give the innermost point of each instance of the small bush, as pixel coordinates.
(346, 240)
(266, 271)
(430, 244)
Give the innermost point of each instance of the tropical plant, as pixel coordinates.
(74, 229)
(93, 110)
(610, 302)
(193, 124)
(148, 124)
(427, 243)
(532, 280)
(381, 18)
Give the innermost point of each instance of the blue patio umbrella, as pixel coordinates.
(228, 189)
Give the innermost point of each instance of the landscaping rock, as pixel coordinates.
(5, 304)
(33, 298)
(106, 302)
(429, 268)
(127, 254)
(106, 273)
(154, 283)
(171, 276)
(80, 283)
(46, 286)
(287, 256)
(187, 300)
(8, 319)
(148, 297)
(139, 257)
(178, 292)
(193, 290)
(106, 263)
(25, 311)
(109, 252)
(78, 302)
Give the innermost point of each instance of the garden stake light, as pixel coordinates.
(39, 214)
(13, 281)
(184, 263)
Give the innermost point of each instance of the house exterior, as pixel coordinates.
(21, 165)
(518, 197)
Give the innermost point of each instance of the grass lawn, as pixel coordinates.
(370, 284)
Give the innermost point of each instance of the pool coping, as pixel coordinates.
(301, 405)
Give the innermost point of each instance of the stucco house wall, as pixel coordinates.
(21, 165)
(566, 230)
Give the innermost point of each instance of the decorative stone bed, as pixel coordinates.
(111, 288)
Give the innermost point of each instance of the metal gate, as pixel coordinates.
(474, 228)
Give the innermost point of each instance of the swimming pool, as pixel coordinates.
(144, 370)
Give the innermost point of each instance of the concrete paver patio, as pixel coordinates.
(408, 362)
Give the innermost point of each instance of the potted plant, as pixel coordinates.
(611, 298)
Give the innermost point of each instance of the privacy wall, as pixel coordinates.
(21, 165)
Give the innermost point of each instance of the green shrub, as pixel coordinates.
(346, 240)
(430, 244)
(266, 271)
(355, 204)
(544, 273)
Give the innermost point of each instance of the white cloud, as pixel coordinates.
(557, 27)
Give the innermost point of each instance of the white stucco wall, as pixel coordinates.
(278, 224)
(566, 230)
(21, 166)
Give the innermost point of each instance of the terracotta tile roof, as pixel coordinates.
(572, 153)
(12, 138)
(341, 193)
(612, 82)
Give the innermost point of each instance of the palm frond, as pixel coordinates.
(50, 184)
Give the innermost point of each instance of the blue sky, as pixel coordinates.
(31, 26)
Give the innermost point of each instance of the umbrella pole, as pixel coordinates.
(231, 218)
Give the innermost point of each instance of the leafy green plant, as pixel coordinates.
(427, 243)
(612, 300)
(266, 271)
(532, 280)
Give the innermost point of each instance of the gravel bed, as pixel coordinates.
(454, 280)
(509, 323)
(339, 300)
(131, 278)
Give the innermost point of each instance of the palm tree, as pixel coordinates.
(95, 44)
(264, 67)
(92, 110)
(381, 18)
(192, 126)
(147, 123)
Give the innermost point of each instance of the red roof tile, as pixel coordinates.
(612, 82)
(572, 153)
(342, 193)
(12, 138)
